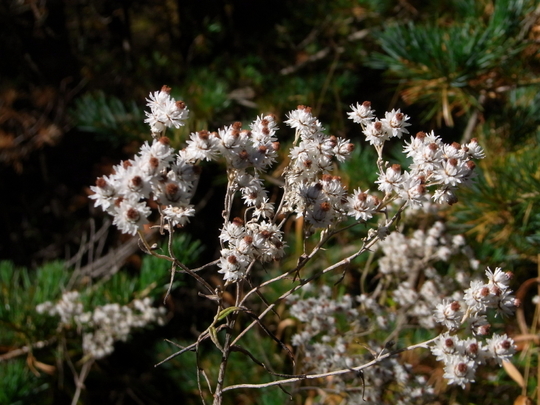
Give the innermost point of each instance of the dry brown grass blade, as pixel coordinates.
(523, 400)
(514, 374)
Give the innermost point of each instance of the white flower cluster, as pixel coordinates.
(403, 253)
(323, 200)
(170, 179)
(113, 322)
(105, 325)
(434, 163)
(407, 259)
(433, 299)
(383, 377)
(243, 148)
(326, 348)
(443, 165)
(246, 244)
(476, 301)
(320, 201)
(67, 307)
(158, 173)
(165, 112)
(462, 357)
(394, 123)
(318, 314)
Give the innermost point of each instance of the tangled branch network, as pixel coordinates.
(158, 176)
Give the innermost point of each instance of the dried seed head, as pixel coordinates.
(325, 206)
(327, 177)
(462, 368)
(164, 140)
(473, 348)
(132, 214)
(171, 189)
(362, 196)
(136, 181)
(101, 182)
(238, 221)
(153, 162)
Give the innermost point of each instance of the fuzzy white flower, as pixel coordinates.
(131, 216)
(303, 121)
(202, 145)
(104, 192)
(394, 123)
(375, 133)
(391, 179)
(165, 111)
(459, 370)
(179, 215)
(362, 113)
(362, 205)
(449, 314)
(501, 347)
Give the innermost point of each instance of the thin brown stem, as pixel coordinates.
(378, 359)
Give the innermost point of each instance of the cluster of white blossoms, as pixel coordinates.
(325, 347)
(160, 175)
(246, 244)
(67, 307)
(104, 325)
(455, 301)
(402, 253)
(462, 356)
(409, 258)
(310, 191)
(156, 173)
(318, 315)
(395, 376)
(408, 268)
(435, 163)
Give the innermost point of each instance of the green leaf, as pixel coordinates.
(226, 312)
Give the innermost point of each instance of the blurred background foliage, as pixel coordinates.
(73, 79)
